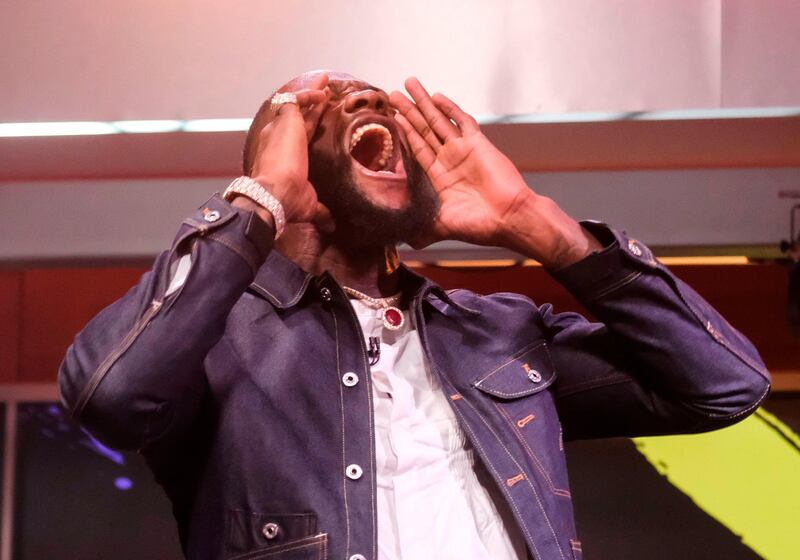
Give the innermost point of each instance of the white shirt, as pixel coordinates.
(430, 501)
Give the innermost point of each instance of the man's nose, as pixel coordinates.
(367, 99)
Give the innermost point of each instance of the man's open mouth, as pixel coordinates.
(374, 148)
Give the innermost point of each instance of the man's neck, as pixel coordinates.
(371, 270)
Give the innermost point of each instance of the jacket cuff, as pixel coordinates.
(620, 262)
(240, 230)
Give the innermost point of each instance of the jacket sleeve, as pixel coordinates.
(135, 372)
(660, 360)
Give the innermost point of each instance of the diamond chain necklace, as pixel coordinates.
(392, 317)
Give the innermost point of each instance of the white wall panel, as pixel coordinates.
(125, 219)
(760, 53)
(90, 60)
(681, 207)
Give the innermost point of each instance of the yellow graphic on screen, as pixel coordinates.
(746, 476)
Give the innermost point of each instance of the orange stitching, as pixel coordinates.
(512, 503)
(323, 550)
(532, 455)
(514, 479)
(482, 453)
(521, 423)
(455, 397)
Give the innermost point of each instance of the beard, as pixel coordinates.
(359, 221)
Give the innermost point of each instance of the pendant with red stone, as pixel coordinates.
(393, 318)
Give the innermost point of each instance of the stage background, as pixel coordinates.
(676, 120)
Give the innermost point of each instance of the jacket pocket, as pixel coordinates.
(310, 548)
(527, 372)
(252, 535)
(517, 391)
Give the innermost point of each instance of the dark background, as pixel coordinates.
(76, 499)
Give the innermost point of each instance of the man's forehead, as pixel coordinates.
(341, 79)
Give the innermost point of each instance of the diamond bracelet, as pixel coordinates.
(251, 189)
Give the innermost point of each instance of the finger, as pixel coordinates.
(320, 81)
(313, 114)
(306, 97)
(465, 121)
(421, 149)
(412, 115)
(309, 95)
(440, 124)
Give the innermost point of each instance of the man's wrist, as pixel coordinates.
(258, 193)
(247, 203)
(538, 228)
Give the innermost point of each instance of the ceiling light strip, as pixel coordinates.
(506, 263)
(155, 126)
(93, 128)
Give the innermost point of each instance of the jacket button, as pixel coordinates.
(634, 248)
(358, 557)
(270, 530)
(325, 294)
(353, 472)
(350, 379)
(534, 376)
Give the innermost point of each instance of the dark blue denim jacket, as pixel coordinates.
(232, 386)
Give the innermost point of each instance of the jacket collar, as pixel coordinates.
(430, 291)
(283, 283)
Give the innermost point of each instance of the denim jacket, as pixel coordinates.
(232, 386)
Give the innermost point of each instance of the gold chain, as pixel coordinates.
(375, 303)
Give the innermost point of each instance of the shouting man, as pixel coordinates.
(299, 393)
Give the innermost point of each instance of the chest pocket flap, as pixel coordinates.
(527, 372)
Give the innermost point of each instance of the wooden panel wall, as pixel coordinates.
(10, 313)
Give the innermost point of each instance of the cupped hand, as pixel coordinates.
(281, 163)
(478, 186)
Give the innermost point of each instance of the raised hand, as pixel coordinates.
(281, 163)
(477, 184)
(484, 198)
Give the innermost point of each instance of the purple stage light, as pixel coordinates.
(123, 483)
